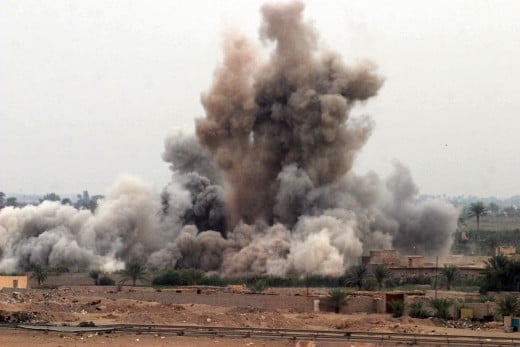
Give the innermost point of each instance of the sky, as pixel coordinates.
(90, 89)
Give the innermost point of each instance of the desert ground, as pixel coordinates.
(71, 305)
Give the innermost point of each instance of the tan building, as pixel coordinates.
(16, 281)
(388, 257)
(414, 261)
(505, 250)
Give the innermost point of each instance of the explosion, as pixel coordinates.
(265, 187)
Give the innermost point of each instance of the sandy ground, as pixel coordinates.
(72, 305)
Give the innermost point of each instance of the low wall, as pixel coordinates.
(260, 301)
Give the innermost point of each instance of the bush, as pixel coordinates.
(258, 286)
(397, 308)
(213, 280)
(508, 305)
(487, 298)
(501, 274)
(417, 310)
(442, 307)
(167, 278)
(336, 299)
(106, 280)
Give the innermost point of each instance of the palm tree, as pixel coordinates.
(381, 273)
(509, 305)
(357, 275)
(134, 271)
(450, 272)
(336, 299)
(496, 273)
(477, 209)
(38, 272)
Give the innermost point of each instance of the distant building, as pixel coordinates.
(388, 257)
(414, 261)
(16, 281)
(505, 250)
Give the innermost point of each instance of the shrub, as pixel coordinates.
(501, 274)
(258, 286)
(336, 299)
(417, 310)
(508, 305)
(167, 278)
(213, 280)
(397, 308)
(442, 307)
(94, 274)
(106, 280)
(487, 298)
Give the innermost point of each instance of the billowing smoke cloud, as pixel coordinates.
(265, 187)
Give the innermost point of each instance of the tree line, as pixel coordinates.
(83, 201)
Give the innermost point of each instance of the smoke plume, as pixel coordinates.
(265, 187)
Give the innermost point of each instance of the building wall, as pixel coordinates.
(384, 256)
(403, 272)
(13, 281)
(414, 261)
(505, 250)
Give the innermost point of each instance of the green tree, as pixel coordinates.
(500, 274)
(336, 298)
(94, 274)
(66, 201)
(134, 271)
(449, 272)
(39, 272)
(50, 197)
(2, 199)
(11, 201)
(493, 208)
(477, 209)
(357, 275)
(381, 273)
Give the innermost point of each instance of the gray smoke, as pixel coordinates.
(265, 187)
(293, 109)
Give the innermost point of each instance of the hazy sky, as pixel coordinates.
(89, 89)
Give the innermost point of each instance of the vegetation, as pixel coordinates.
(106, 280)
(417, 310)
(94, 274)
(397, 308)
(336, 299)
(59, 269)
(50, 197)
(357, 275)
(39, 272)
(477, 209)
(441, 307)
(133, 271)
(509, 305)
(381, 274)
(11, 201)
(501, 274)
(258, 286)
(449, 272)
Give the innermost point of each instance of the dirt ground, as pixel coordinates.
(72, 305)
